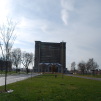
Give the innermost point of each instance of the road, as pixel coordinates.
(15, 78)
(99, 79)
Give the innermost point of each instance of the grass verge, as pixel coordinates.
(48, 88)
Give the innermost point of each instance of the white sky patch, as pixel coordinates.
(67, 6)
(65, 16)
(31, 23)
(23, 23)
(4, 11)
(29, 30)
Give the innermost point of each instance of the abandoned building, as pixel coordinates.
(50, 57)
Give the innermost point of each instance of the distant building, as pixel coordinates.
(50, 57)
(4, 64)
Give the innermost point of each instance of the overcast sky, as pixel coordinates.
(76, 22)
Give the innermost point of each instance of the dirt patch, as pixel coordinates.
(72, 87)
(8, 91)
(62, 84)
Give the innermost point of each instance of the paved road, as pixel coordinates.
(99, 79)
(15, 78)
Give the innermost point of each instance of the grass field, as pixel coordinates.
(3, 72)
(11, 72)
(48, 88)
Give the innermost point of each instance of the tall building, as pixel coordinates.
(50, 57)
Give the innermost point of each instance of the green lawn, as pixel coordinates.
(11, 72)
(48, 88)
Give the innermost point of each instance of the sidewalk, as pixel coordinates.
(99, 79)
(15, 78)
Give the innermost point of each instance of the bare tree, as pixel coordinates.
(82, 67)
(88, 66)
(42, 67)
(7, 37)
(27, 59)
(53, 68)
(73, 67)
(16, 57)
(92, 65)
